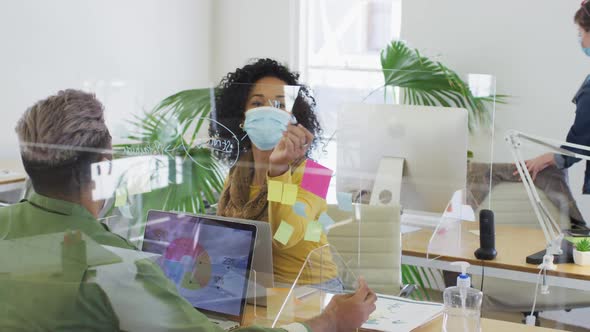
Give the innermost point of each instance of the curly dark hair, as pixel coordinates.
(582, 16)
(231, 98)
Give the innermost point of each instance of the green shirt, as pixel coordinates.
(130, 295)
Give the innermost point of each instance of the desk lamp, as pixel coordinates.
(551, 230)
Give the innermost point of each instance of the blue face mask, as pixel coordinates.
(585, 49)
(265, 126)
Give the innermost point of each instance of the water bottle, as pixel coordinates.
(462, 304)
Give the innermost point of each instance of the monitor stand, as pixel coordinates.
(388, 182)
(566, 257)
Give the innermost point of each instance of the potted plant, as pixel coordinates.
(582, 252)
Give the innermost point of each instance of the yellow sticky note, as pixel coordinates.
(120, 197)
(275, 191)
(313, 232)
(283, 234)
(289, 194)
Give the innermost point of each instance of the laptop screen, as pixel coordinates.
(207, 259)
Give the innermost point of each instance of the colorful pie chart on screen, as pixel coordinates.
(193, 262)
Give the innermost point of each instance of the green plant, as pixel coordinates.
(171, 129)
(583, 245)
(426, 82)
(412, 275)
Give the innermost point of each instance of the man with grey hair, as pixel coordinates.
(60, 138)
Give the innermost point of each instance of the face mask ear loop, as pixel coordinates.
(241, 139)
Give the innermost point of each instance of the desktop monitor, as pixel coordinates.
(431, 140)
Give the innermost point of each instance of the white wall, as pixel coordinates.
(242, 30)
(531, 48)
(135, 52)
(132, 53)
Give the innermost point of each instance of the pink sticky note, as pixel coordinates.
(316, 178)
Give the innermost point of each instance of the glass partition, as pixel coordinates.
(216, 200)
(424, 151)
(302, 300)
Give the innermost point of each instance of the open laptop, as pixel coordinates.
(262, 264)
(207, 259)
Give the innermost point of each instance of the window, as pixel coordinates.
(340, 57)
(348, 33)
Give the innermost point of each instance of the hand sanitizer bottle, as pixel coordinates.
(462, 304)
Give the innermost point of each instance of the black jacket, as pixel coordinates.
(579, 132)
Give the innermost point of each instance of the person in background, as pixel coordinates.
(276, 140)
(579, 132)
(60, 138)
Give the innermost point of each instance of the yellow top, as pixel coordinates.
(288, 259)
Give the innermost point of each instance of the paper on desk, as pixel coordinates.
(400, 314)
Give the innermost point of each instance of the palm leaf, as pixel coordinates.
(411, 275)
(426, 82)
(171, 128)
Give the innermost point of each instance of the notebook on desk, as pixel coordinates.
(208, 260)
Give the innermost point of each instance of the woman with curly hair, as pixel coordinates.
(275, 144)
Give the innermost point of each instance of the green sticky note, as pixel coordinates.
(289, 194)
(283, 234)
(313, 232)
(120, 197)
(275, 191)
